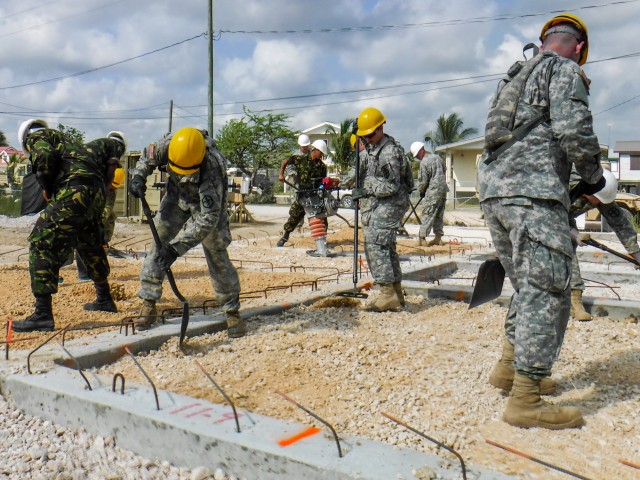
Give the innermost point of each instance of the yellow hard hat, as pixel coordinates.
(368, 120)
(352, 140)
(118, 178)
(575, 21)
(186, 151)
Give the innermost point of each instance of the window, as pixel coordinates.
(634, 162)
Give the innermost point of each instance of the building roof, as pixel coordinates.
(321, 128)
(632, 146)
(474, 143)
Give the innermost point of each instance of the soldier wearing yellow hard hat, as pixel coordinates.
(192, 212)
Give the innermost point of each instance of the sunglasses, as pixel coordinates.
(372, 134)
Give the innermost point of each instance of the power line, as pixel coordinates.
(445, 23)
(29, 9)
(84, 72)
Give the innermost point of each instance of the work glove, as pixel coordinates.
(138, 186)
(636, 257)
(359, 193)
(423, 194)
(166, 256)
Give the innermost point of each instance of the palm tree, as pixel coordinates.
(448, 130)
(344, 157)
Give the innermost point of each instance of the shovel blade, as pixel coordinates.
(488, 282)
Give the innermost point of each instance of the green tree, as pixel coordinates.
(3, 140)
(256, 141)
(71, 133)
(344, 156)
(449, 129)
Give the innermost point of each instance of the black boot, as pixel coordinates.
(103, 302)
(41, 320)
(283, 240)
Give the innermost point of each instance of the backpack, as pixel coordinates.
(407, 179)
(500, 133)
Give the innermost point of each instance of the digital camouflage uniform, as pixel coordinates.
(310, 174)
(525, 199)
(620, 221)
(432, 182)
(193, 211)
(74, 180)
(387, 180)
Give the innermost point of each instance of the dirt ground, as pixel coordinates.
(427, 365)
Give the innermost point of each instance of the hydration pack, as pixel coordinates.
(502, 114)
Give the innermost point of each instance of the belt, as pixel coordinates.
(86, 182)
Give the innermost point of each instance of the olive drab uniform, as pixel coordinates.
(75, 182)
(432, 184)
(193, 211)
(387, 180)
(525, 199)
(310, 174)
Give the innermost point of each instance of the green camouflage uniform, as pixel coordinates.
(310, 175)
(432, 183)
(74, 180)
(109, 151)
(525, 199)
(193, 211)
(387, 179)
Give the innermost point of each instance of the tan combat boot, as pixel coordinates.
(148, 314)
(398, 289)
(236, 325)
(526, 409)
(422, 242)
(387, 300)
(437, 240)
(577, 307)
(502, 374)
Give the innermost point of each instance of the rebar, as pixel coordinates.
(533, 459)
(55, 334)
(92, 327)
(222, 392)
(440, 444)
(629, 464)
(113, 385)
(306, 410)
(77, 366)
(604, 285)
(155, 392)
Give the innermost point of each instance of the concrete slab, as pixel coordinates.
(191, 432)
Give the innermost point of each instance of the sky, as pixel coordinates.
(102, 65)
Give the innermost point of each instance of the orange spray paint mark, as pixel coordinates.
(9, 330)
(309, 432)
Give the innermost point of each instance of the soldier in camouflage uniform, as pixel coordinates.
(110, 151)
(525, 199)
(193, 211)
(310, 170)
(620, 221)
(432, 187)
(387, 181)
(73, 184)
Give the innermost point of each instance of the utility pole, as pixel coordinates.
(170, 115)
(211, 67)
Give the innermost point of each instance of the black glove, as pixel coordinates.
(138, 186)
(166, 256)
(423, 194)
(359, 193)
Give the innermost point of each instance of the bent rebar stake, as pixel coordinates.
(172, 281)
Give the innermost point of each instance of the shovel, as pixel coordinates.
(172, 281)
(491, 273)
(594, 243)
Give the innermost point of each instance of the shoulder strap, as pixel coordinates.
(517, 135)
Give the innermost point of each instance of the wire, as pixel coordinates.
(84, 72)
(29, 9)
(418, 25)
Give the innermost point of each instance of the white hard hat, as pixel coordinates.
(304, 140)
(610, 189)
(321, 145)
(119, 136)
(27, 127)
(415, 148)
